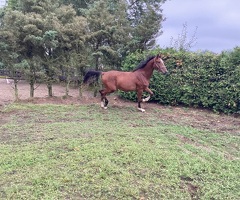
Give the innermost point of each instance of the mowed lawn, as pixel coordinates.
(84, 152)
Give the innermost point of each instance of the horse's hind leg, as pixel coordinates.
(104, 100)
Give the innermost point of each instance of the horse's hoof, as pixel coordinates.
(141, 109)
(146, 99)
(102, 105)
(105, 108)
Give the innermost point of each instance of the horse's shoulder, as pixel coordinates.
(142, 79)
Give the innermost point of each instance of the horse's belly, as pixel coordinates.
(126, 87)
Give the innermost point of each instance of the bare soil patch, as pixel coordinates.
(198, 118)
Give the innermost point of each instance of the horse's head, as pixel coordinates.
(159, 64)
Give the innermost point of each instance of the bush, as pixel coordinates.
(202, 79)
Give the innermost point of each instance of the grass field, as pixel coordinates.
(83, 152)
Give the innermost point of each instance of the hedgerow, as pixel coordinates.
(198, 79)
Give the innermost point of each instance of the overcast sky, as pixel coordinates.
(217, 22)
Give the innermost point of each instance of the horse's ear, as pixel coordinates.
(164, 57)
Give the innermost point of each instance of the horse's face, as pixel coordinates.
(159, 64)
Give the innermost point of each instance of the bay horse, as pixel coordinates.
(136, 80)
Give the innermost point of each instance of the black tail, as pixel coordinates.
(91, 76)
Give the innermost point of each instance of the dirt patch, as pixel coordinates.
(198, 118)
(186, 140)
(7, 91)
(187, 185)
(203, 119)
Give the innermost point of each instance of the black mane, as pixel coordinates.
(143, 63)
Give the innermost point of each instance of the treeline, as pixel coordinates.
(201, 79)
(45, 39)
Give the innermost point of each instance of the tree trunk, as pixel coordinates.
(67, 87)
(97, 63)
(80, 90)
(50, 91)
(31, 89)
(80, 85)
(95, 92)
(16, 89)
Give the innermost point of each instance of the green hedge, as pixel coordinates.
(201, 79)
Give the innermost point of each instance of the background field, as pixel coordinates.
(79, 151)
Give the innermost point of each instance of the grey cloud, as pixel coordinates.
(217, 21)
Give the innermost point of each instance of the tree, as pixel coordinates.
(145, 17)
(183, 43)
(48, 36)
(78, 5)
(62, 35)
(140, 20)
(108, 32)
(9, 56)
(29, 28)
(71, 37)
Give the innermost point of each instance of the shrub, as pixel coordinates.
(200, 79)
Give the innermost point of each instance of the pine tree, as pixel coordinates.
(47, 34)
(108, 32)
(9, 49)
(140, 21)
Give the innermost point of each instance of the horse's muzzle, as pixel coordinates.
(166, 73)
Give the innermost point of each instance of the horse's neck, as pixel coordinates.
(147, 71)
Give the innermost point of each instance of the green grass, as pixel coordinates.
(83, 152)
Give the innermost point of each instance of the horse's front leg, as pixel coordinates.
(149, 96)
(139, 97)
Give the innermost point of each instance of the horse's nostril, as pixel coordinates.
(167, 73)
